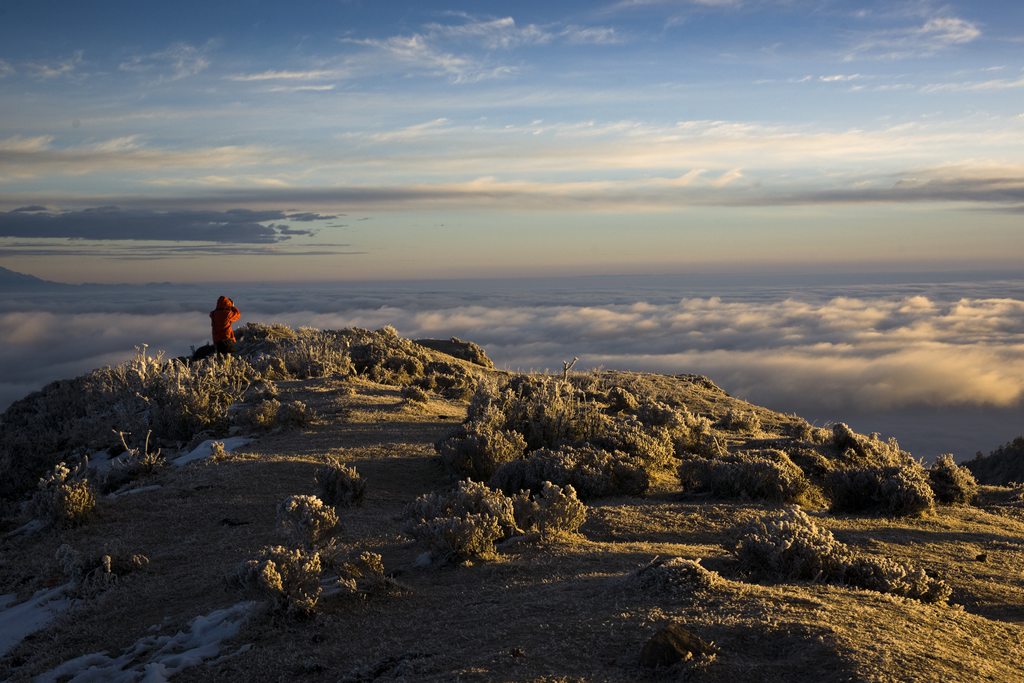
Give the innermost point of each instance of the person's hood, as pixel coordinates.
(225, 302)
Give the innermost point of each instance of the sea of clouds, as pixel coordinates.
(940, 365)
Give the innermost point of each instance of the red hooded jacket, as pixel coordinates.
(221, 319)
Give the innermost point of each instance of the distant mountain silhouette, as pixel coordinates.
(13, 280)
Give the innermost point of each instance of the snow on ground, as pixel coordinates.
(157, 658)
(129, 492)
(20, 620)
(203, 450)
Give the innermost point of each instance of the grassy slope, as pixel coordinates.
(566, 610)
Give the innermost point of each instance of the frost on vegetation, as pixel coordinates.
(340, 485)
(94, 572)
(897, 491)
(64, 496)
(743, 421)
(132, 464)
(789, 545)
(208, 449)
(293, 414)
(477, 449)
(461, 524)
(414, 394)
(173, 399)
(676, 577)
(768, 475)
(305, 520)
(950, 482)
(591, 471)
(622, 400)
(361, 574)
(158, 658)
(290, 577)
(555, 510)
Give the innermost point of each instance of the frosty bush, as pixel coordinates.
(451, 380)
(172, 398)
(950, 482)
(289, 576)
(64, 497)
(462, 524)
(622, 400)
(899, 490)
(735, 420)
(755, 475)
(653, 447)
(789, 545)
(340, 485)
(93, 573)
(293, 414)
(591, 471)
(262, 415)
(305, 520)
(475, 450)
(283, 353)
(676, 577)
(132, 464)
(414, 394)
(554, 510)
(362, 574)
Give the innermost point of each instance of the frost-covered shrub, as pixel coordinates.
(463, 523)
(622, 400)
(132, 464)
(362, 574)
(475, 450)
(173, 398)
(896, 490)
(340, 485)
(653, 447)
(755, 475)
(451, 380)
(289, 576)
(548, 412)
(305, 520)
(743, 421)
(676, 577)
(93, 573)
(280, 352)
(591, 471)
(217, 451)
(64, 497)
(554, 510)
(950, 482)
(859, 451)
(261, 415)
(293, 414)
(789, 545)
(414, 394)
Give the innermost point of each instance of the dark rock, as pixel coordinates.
(674, 644)
(982, 557)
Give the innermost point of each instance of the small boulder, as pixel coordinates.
(674, 644)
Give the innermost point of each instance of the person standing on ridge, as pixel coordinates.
(221, 319)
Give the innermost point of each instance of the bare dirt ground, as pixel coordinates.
(564, 610)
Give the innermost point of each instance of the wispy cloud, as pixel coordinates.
(6, 69)
(990, 85)
(418, 54)
(308, 75)
(58, 69)
(177, 61)
(932, 37)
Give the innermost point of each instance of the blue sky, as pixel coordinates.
(360, 140)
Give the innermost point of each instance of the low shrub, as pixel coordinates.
(305, 520)
(261, 415)
(754, 475)
(789, 545)
(743, 421)
(64, 497)
(950, 482)
(899, 490)
(555, 510)
(622, 400)
(461, 524)
(676, 577)
(414, 394)
(93, 573)
(340, 485)
(362, 574)
(653, 447)
(289, 576)
(591, 471)
(477, 449)
(293, 414)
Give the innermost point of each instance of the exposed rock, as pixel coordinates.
(674, 644)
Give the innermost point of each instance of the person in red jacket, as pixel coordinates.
(221, 319)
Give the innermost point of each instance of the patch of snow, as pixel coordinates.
(100, 462)
(27, 529)
(18, 621)
(203, 450)
(130, 492)
(157, 658)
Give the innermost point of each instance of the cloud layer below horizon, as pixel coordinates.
(833, 357)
